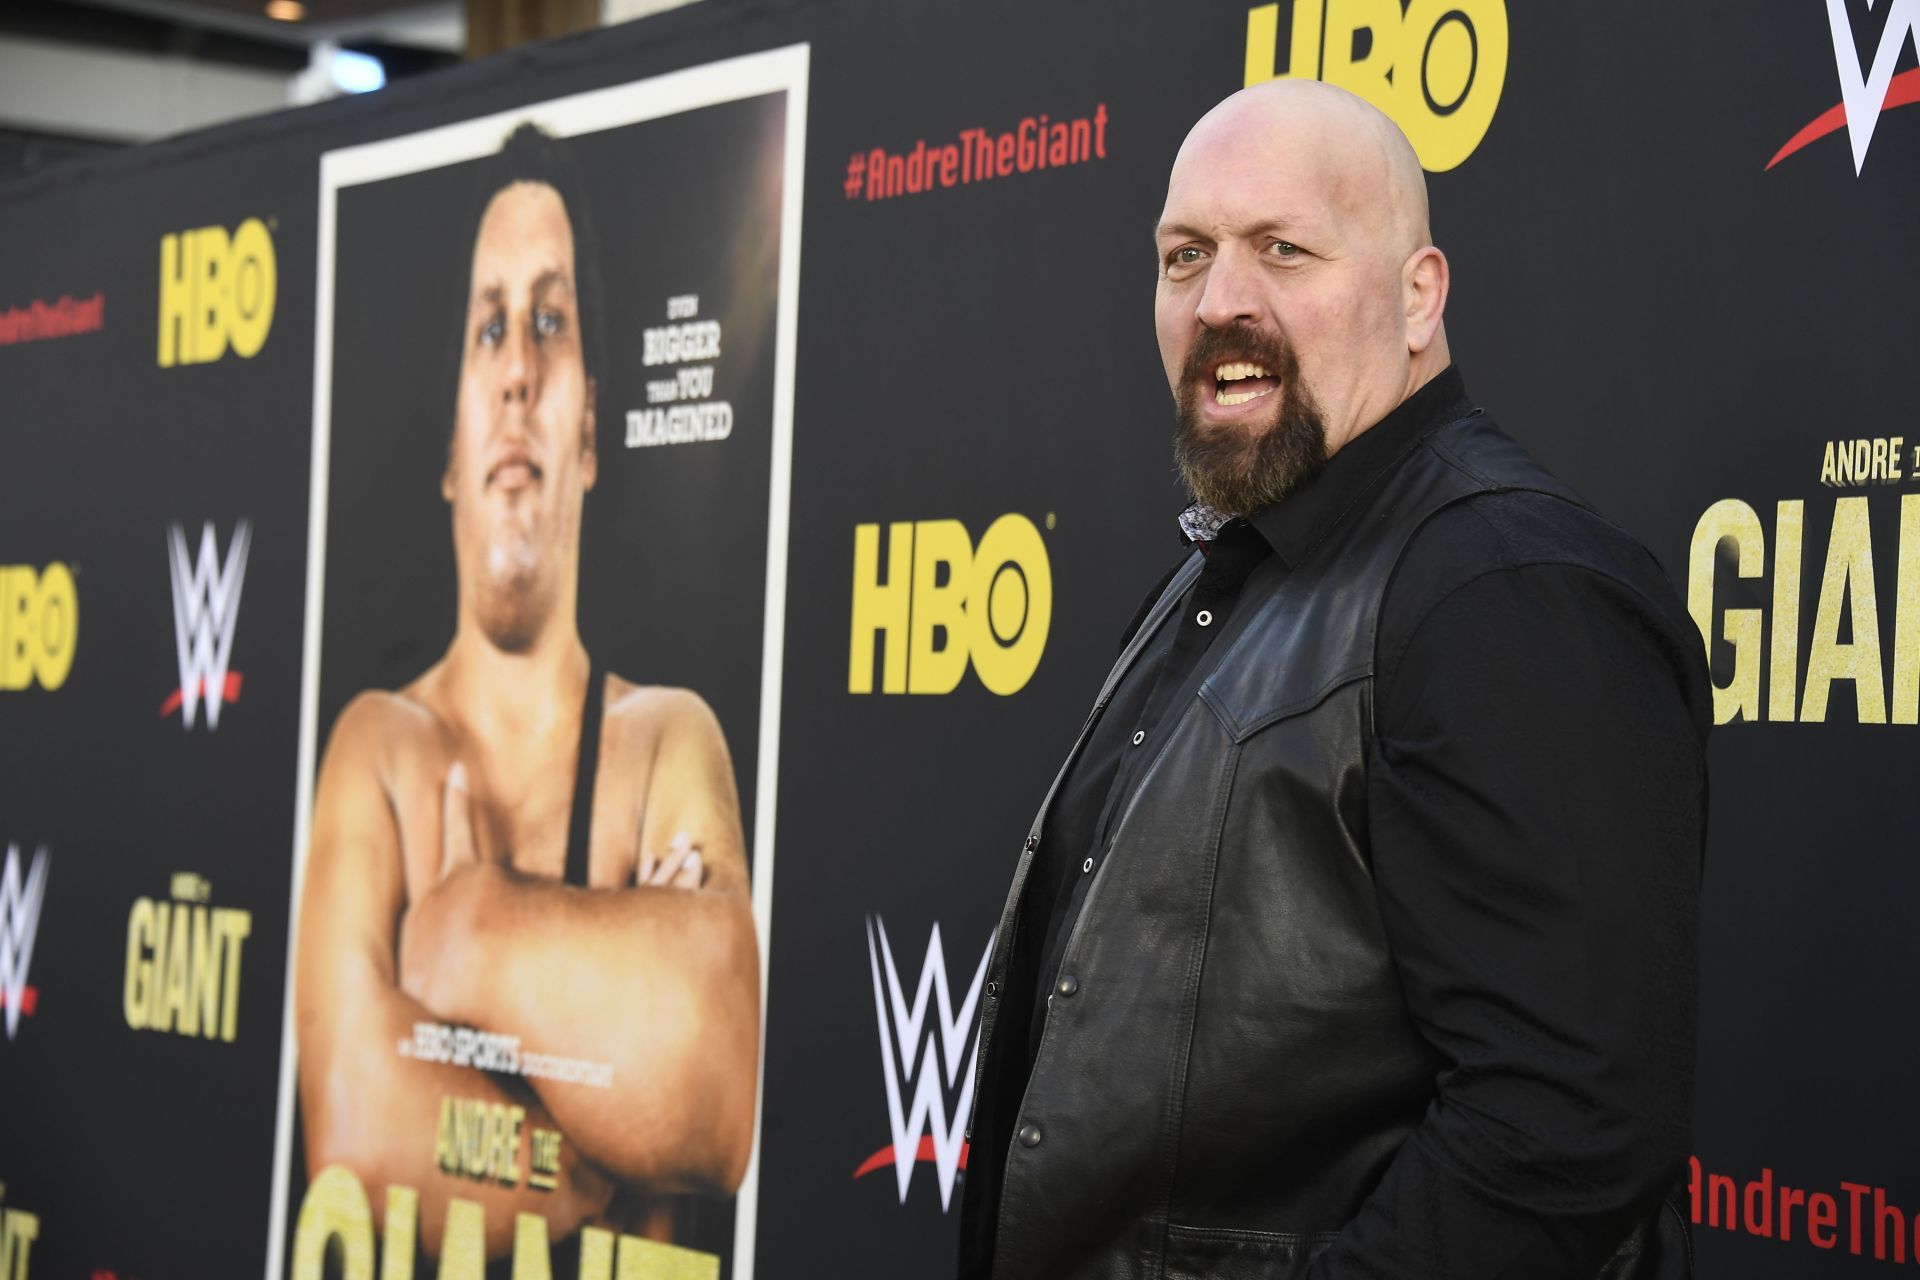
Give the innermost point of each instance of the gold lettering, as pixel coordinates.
(596, 1254)
(446, 1145)
(1263, 34)
(530, 1258)
(1849, 576)
(650, 1260)
(174, 1005)
(463, 1243)
(202, 1006)
(939, 606)
(1788, 520)
(235, 927)
(335, 1209)
(1729, 518)
(1906, 616)
(397, 1246)
(138, 991)
(880, 608)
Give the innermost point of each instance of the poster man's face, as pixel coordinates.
(522, 453)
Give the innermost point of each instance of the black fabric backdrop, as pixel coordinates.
(1660, 316)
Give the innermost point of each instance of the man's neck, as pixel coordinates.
(507, 697)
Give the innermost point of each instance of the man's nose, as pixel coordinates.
(1231, 294)
(520, 374)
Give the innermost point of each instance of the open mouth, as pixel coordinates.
(514, 471)
(1238, 381)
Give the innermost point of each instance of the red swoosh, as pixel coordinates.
(30, 1000)
(884, 1156)
(230, 692)
(1904, 91)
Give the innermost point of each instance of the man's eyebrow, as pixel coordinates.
(1280, 222)
(494, 294)
(551, 277)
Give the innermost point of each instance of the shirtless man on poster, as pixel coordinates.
(519, 842)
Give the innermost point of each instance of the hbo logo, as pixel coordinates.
(39, 623)
(216, 291)
(944, 602)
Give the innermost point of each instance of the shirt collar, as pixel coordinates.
(1294, 525)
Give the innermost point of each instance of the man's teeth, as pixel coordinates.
(1239, 371)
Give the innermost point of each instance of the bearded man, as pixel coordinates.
(1356, 937)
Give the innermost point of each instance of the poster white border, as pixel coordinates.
(749, 76)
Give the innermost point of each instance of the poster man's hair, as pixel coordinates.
(531, 154)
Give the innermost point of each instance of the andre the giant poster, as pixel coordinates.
(533, 856)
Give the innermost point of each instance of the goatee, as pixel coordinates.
(1243, 467)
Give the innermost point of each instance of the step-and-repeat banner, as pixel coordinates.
(709, 462)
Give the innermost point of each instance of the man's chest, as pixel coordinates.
(520, 814)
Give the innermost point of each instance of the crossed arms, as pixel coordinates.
(659, 978)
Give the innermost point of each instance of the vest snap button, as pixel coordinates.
(1029, 1135)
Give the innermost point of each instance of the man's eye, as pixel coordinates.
(493, 331)
(1185, 256)
(547, 323)
(1285, 249)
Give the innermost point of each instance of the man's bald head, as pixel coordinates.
(1295, 234)
(1366, 161)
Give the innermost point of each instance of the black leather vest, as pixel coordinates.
(1235, 1065)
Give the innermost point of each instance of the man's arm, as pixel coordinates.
(363, 1105)
(1537, 814)
(661, 983)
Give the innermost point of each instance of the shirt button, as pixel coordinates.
(1033, 842)
(1067, 985)
(1204, 618)
(1029, 1135)
(1139, 736)
(1086, 866)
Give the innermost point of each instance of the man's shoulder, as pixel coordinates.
(385, 712)
(1513, 528)
(642, 714)
(1515, 533)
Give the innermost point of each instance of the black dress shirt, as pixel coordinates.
(1512, 689)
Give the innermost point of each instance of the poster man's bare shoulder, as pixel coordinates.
(667, 745)
(397, 742)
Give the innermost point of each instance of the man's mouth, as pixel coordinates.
(513, 471)
(1238, 381)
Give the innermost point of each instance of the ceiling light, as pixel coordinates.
(286, 10)
(357, 72)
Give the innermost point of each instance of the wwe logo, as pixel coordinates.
(19, 921)
(906, 1051)
(206, 602)
(1864, 93)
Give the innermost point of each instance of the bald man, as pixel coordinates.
(1356, 937)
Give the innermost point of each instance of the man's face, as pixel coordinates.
(522, 452)
(1279, 304)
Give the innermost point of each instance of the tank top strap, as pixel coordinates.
(586, 773)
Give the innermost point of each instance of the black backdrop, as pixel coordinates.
(1660, 316)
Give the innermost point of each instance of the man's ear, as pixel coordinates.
(589, 454)
(446, 476)
(1423, 282)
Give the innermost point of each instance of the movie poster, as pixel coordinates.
(553, 388)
